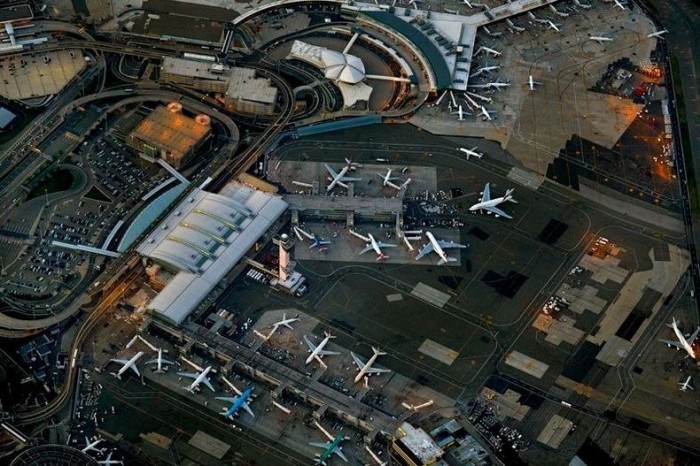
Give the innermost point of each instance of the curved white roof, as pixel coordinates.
(342, 66)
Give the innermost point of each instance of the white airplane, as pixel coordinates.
(91, 446)
(160, 360)
(585, 6)
(317, 351)
(683, 343)
(284, 322)
(466, 2)
(536, 19)
(373, 244)
(365, 368)
(657, 34)
(553, 26)
(498, 85)
(686, 385)
(488, 50)
(488, 100)
(438, 247)
(387, 179)
(619, 4)
(486, 114)
(128, 364)
(340, 178)
(472, 152)
(532, 83)
(317, 240)
(514, 27)
(600, 39)
(557, 12)
(489, 205)
(460, 114)
(199, 377)
(491, 34)
(109, 461)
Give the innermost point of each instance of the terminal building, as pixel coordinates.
(240, 89)
(169, 135)
(202, 239)
(412, 446)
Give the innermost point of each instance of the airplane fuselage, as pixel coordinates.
(199, 379)
(318, 349)
(491, 203)
(330, 449)
(238, 402)
(681, 339)
(375, 246)
(366, 367)
(436, 246)
(338, 178)
(129, 364)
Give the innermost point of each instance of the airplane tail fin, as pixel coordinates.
(377, 352)
(382, 257)
(509, 196)
(328, 334)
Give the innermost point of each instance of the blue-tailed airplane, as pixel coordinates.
(317, 240)
(237, 402)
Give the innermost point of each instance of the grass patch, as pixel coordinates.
(58, 180)
(685, 136)
(96, 195)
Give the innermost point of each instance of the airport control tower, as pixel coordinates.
(289, 280)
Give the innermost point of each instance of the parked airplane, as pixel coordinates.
(489, 205)
(658, 34)
(466, 2)
(557, 12)
(514, 27)
(387, 179)
(284, 322)
(366, 369)
(237, 402)
(330, 448)
(600, 40)
(486, 114)
(160, 360)
(199, 377)
(318, 351)
(373, 244)
(91, 446)
(128, 364)
(317, 240)
(620, 4)
(488, 50)
(686, 385)
(554, 26)
(471, 152)
(109, 461)
(438, 246)
(536, 19)
(340, 178)
(460, 113)
(532, 83)
(498, 85)
(683, 343)
(585, 6)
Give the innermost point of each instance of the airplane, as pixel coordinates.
(284, 322)
(532, 83)
(109, 461)
(657, 34)
(160, 360)
(387, 179)
(489, 205)
(557, 12)
(585, 6)
(90, 446)
(330, 448)
(471, 152)
(366, 369)
(683, 343)
(438, 246)
(491, 34)
(514, 27)
(553, 26)
(498, 85)
(317, 240)
(488, 50)
(466, 2)
(486, 114)
(340, 178)
(128, 364)
(199, 377)
(600, 40)
(237, 402)
(460, 112)
(317, 351)
(686, 385)
(373, 244)
(619, 4)
(536, 19)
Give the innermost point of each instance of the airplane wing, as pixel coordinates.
(359, 362)
(377, 370)
(309, 344)
(326, 352)
(226, 399)
(393, 185)
(366, 249)
(345, 179)
(427, 249)
(207, 382)
(135, 369)
(694, 336)
(319, 444)
(340, 454)
(497, 211)
(123, 362)
(450, 245)
(383, 245)
(247, 408)
(162, 361)
(486, 195)
(331, 171)
(675, 344)
(191, 375)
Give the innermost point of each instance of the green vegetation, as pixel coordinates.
(685, 136)
(96, 195)
(60, 179)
